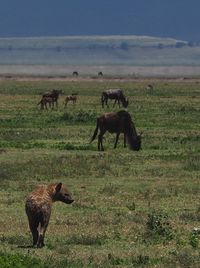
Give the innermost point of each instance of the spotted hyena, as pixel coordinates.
(38, 208)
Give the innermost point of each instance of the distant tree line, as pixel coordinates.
(125, 46)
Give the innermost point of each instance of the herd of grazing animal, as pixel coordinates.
(52, 97)
(39, 203)
(113, 122)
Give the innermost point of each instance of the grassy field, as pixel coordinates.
(131, 209)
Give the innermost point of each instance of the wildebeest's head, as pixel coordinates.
(62, 194)
(134, 142)
(137, 143)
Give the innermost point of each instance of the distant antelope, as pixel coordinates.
(72, 98)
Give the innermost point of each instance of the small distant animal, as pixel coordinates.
(44, 101)
(114, 94)
(100, 74)
(149, 87)
(75, 73)
(72, 98)
(117, 122)
(38, 208)
(54, 94)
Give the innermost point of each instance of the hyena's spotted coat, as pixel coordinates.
(38, 208)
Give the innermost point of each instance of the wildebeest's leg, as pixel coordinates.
(119, 102)
(115, 102)
(116, 140)
(106, 101)
(52, 104)
(45, 104)
(100, 140)
(124, 140)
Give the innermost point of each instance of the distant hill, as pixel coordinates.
(98, 51)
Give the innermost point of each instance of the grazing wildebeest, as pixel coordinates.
(54, 94)
(75, 73)
(38, 208)
(149, 87)
(44, 102)
(114, 94)
(72, 98)
(100, 74)
(117, 122)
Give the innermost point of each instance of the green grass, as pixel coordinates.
(131, 209)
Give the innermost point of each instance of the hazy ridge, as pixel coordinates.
(132, 51)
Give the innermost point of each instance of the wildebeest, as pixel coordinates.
(54, 94)
(149, 87)
(114, 94)
(75, 73)
(38, 208)
(44, 101)
(72, 98)
(117, 122)
(100, 74)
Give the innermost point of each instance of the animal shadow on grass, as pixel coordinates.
(19, 241)
(25, 246)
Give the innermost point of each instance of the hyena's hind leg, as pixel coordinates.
(42, 230)
(33, 224)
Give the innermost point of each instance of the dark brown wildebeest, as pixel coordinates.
(75, 73)
(72, 98)
(44, 101)
(38, 208)
(149, 87)
(54, 94)
(113, 94)
(100, 74)
(117, 122)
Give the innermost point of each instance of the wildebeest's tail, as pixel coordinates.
(95, 131)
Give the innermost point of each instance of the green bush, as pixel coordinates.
(158, 225)
(19, 261)
(80, 116)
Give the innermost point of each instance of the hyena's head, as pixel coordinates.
(62, 194)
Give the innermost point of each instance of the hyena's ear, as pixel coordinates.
(58, 187)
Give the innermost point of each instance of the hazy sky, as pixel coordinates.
(166, 18)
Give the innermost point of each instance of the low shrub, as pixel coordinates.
(158, 225)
